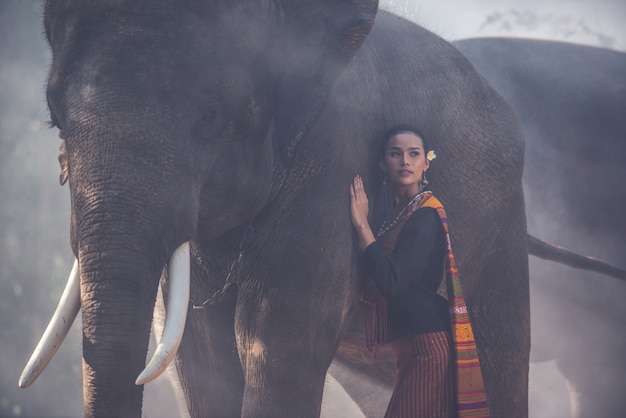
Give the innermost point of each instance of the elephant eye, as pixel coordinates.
(211, 123)
(53, 123)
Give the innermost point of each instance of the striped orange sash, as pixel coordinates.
(471, 396)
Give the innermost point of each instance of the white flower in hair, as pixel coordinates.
(431, 155)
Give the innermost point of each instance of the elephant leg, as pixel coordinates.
(208, 364)
(207, 360)
(285, 349)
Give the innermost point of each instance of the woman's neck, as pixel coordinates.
(404, 195)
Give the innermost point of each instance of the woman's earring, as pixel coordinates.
(385, 180)
(424, 180)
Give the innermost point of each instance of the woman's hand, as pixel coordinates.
(359, 209)
(359, 206)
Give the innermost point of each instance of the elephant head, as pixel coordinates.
(179, 122)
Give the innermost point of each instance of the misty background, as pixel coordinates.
(35, 258)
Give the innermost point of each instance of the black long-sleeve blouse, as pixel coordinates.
(410, 277)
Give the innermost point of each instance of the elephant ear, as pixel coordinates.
(313, 44)
(63, 163)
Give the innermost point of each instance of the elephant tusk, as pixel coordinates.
(57, 329)
(176, 315)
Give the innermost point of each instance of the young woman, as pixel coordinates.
(429, 335)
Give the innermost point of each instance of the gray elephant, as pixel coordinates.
(571, 100)
(222, 136)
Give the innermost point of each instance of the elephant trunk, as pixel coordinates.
(117, 306)
(129, 214)
(118, 292)
(124, 233)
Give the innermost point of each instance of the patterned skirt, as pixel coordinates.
(424, 385)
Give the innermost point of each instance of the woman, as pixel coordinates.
(405, 261)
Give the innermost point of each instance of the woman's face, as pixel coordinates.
(404, 161)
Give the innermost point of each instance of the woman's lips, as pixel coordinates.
(405, 172)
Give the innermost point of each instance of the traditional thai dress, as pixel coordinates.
(425, 323)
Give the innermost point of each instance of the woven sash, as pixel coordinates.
(471, 396)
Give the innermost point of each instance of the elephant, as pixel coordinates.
(208, 149)
(571, 101)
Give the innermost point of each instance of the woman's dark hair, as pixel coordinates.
(401, 129)
(383, 202)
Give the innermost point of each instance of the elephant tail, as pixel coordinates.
(547, 251)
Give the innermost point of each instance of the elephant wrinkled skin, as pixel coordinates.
(237, 126)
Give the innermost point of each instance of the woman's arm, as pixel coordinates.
(421, 237)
